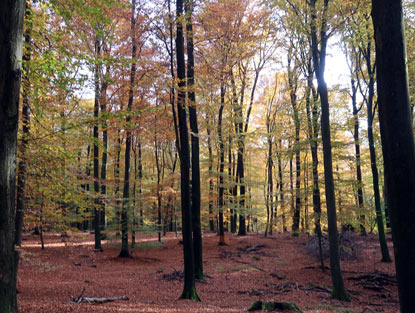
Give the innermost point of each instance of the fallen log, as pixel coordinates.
(99, 300)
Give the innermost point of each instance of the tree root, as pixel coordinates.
(271, 306)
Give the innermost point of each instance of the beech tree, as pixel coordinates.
(397, 139)
(11, 37)
(319, 59)
(26, 99)
(189, 289)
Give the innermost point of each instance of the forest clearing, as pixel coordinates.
(276, 268)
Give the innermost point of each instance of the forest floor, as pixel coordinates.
(249, 268)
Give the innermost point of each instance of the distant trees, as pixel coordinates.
(11, 37)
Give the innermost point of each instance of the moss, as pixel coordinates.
(190, 294)
(342, 296)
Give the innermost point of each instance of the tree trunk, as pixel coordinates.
(211, 220)
(196, 227)
(11, 35)
(103, 103)
(370, 112)
(189, 289)
(26, 94)
(357, 150)
(97, 215)
(397, 140)
(292, 82)
(281, 185)
(313, 130)
(126, 191)
(319, 55)
(221, 201)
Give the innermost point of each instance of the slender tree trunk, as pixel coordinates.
(97, 215)
(156, 155)
(197, 229)
(211, 220)
(397, 140)
(313, 130)
(126, 191)
(281, 185)
(370, 112)
(140, 179)
(357, 153)
(339, 291)
(87, 186)
(135, 224)
(26, 94)
(189, 289)
(231, 186)
(11, 35)
(103, 102)
(292, 82)
(221, 201)
(117, 181)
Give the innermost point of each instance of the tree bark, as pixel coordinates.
(397, 140)
(313, 130)
(189, 289)
(26, 94)
(292, 82)
(221, 201)
(210, 150)
(103, 104)
(319, 55)
(126, 190)
(11, 36)
(197, 229)
(355, 111)
(97, 215)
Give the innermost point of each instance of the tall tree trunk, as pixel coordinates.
(103, 103)
(97, 215)
(11, 35)
(370, 115)
(117, 162)
(270, 183)
(280, 184)
(158, 168)
(189, 289)
(319, 56)
(211, 220)
(357, 149)
(133, 230)
(126, 191)
(26, 94)
(221, 201)
(397, 140)
(86, 188)
(231, 199)
(313, 130)
(140, 179)
(197, 229)
(292, 82)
